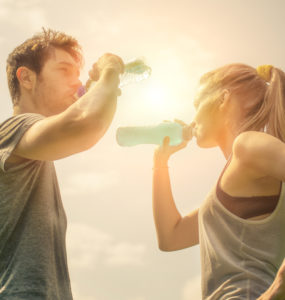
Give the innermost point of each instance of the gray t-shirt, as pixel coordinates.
(33, 263)
(240, 257)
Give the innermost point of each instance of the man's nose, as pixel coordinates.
(76, 83)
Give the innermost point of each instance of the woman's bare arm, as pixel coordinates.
(174, 232)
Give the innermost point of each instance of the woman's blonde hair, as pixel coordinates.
(261, 95)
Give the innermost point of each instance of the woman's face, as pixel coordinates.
(208, 121)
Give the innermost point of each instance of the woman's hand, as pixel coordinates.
(162, 153)
(277, 289)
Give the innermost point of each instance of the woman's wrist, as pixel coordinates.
(160, 167)
(160, 162)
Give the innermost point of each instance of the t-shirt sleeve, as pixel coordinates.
(11, 131)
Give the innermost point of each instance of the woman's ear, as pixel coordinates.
(26, 77)
(224, 100)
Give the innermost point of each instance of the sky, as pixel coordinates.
(106, 191)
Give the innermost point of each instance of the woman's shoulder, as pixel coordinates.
(259, 151)
(250, 143)
(247, 136)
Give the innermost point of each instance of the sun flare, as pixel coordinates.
(156, 97)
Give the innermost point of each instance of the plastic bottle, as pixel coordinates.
(135, 71)
(131, 136)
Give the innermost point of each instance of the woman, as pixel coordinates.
(241, 224)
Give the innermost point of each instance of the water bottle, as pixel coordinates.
(131, 136)
(135, 71)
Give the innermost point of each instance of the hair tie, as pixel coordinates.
(264, 72)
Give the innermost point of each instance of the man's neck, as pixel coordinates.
(21, 109)
(25, 105)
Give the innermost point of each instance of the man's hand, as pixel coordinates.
(277, 289)
(109, 65)
(106, 61)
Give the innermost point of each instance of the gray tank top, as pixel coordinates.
(239, 257)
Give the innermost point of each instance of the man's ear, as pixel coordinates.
(224, 100)
(26, 77)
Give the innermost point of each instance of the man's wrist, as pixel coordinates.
(110, 78)
(110, 71)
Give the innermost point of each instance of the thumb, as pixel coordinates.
(166, 141)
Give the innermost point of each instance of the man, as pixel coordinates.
(49, 123)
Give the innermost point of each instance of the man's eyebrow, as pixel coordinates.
(70, 65)
(67, 63)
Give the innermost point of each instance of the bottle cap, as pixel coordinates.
(81, 91)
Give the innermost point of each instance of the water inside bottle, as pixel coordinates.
(155, 134)
(136, 70)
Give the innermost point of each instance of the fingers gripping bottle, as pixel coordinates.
(131, 136)
(135, 71)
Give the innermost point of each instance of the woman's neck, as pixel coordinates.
(226, 143)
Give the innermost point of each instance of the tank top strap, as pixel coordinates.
(224, 169)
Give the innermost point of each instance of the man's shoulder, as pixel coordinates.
(21, 117)
(15, 122)
(11, 131)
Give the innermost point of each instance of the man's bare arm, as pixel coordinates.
(76, 129)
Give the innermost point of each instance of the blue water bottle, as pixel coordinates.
(155, 134)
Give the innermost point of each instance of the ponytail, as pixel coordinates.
(269, 114)
(275, 99)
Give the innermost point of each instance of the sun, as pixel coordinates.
(156, 97)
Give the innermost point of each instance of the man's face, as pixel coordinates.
(57, 84)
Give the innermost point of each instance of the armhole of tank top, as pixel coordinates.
(223, 171)
(281, 198)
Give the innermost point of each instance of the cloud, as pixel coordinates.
(20, 3)
(125, 254)
(78, 294)
(186, 58)
(89, 181)
(27, 12)
(4, 11)
(88, 246)
(192, 289)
